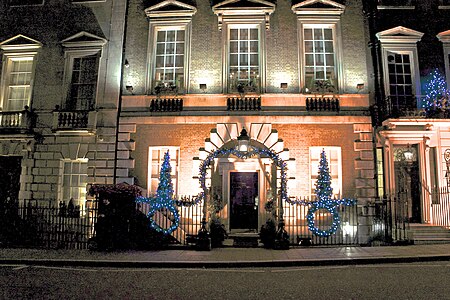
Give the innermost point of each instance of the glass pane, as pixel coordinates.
(329, 47)
(233, 59)
(408, 79)
(180, 48)
(308, 34)
(254, 60)
(170, 48)
(160, 61)
(233, 47)
(309, 59)
(169, 61)
(180, 35)
(161, 36)
(308, 46)
(318, 34)
(243, 46)
(330, 59)
(254, 34)
(179, 60)
(328, 33)
(320, 74)
(253, 46)
(400, 79)
(233, 34)
(244, 34)
(405, 58)
(318, 47)
(170, 36)
(243, 60)
(319, 59)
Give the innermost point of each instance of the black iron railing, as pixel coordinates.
(166, 105)
(322, 104)
(244, 103)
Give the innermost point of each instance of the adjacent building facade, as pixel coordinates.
(409, 42)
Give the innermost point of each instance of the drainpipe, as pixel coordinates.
(119, 106)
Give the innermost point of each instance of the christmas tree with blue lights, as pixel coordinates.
(436, 94)
(323, 184)
(164, 193)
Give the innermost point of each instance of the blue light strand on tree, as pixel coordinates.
(163, 199)
(436, 93)
(324, 192)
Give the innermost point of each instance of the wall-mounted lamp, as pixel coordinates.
(283, 85)
(408, 154)
(203, 87)
(360, 86)
(127, 64)
(243, 141)
(129, 88)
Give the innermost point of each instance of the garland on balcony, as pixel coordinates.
(163, 199)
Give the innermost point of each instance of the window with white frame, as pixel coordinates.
(19, 61)
(319, 54)
(83, 84)
(18, 87)
(400, 65)
(320, 46)
(73, 181)
(333, 155)
(155, 161)
(83, 58)
(170, 56)
(400, 76)
(244, 62)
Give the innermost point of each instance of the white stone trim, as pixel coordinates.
(256, 22)
(14, 50)
(444, 37)
(401, 40)
(154, 26)
(75, 48)
(322, 21)
(185, 10)
(303, 8)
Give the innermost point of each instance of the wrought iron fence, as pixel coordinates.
(49, 226)
(296, 224)
(190, 218)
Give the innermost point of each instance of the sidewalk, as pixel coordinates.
(228, 257)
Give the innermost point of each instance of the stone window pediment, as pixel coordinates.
(318, 7)
(83, 39)
(20, 42)
(170, 8)
(399, 34)
(243, 10)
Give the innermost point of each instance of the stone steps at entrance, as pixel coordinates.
(429, 234)
(242, 240)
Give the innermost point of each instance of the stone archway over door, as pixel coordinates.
(224, 136)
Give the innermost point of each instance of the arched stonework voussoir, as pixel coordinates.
(255, 151)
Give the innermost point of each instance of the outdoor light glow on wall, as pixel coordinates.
(243, 141)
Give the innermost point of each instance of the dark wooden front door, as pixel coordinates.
(243, 197)
(408, 191)
(10, 167)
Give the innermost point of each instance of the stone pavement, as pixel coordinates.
(229, 257)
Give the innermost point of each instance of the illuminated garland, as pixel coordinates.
(244, 155)
(163, 199)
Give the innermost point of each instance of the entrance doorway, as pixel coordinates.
(244, 200)
(10, 180)
(408, 190)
